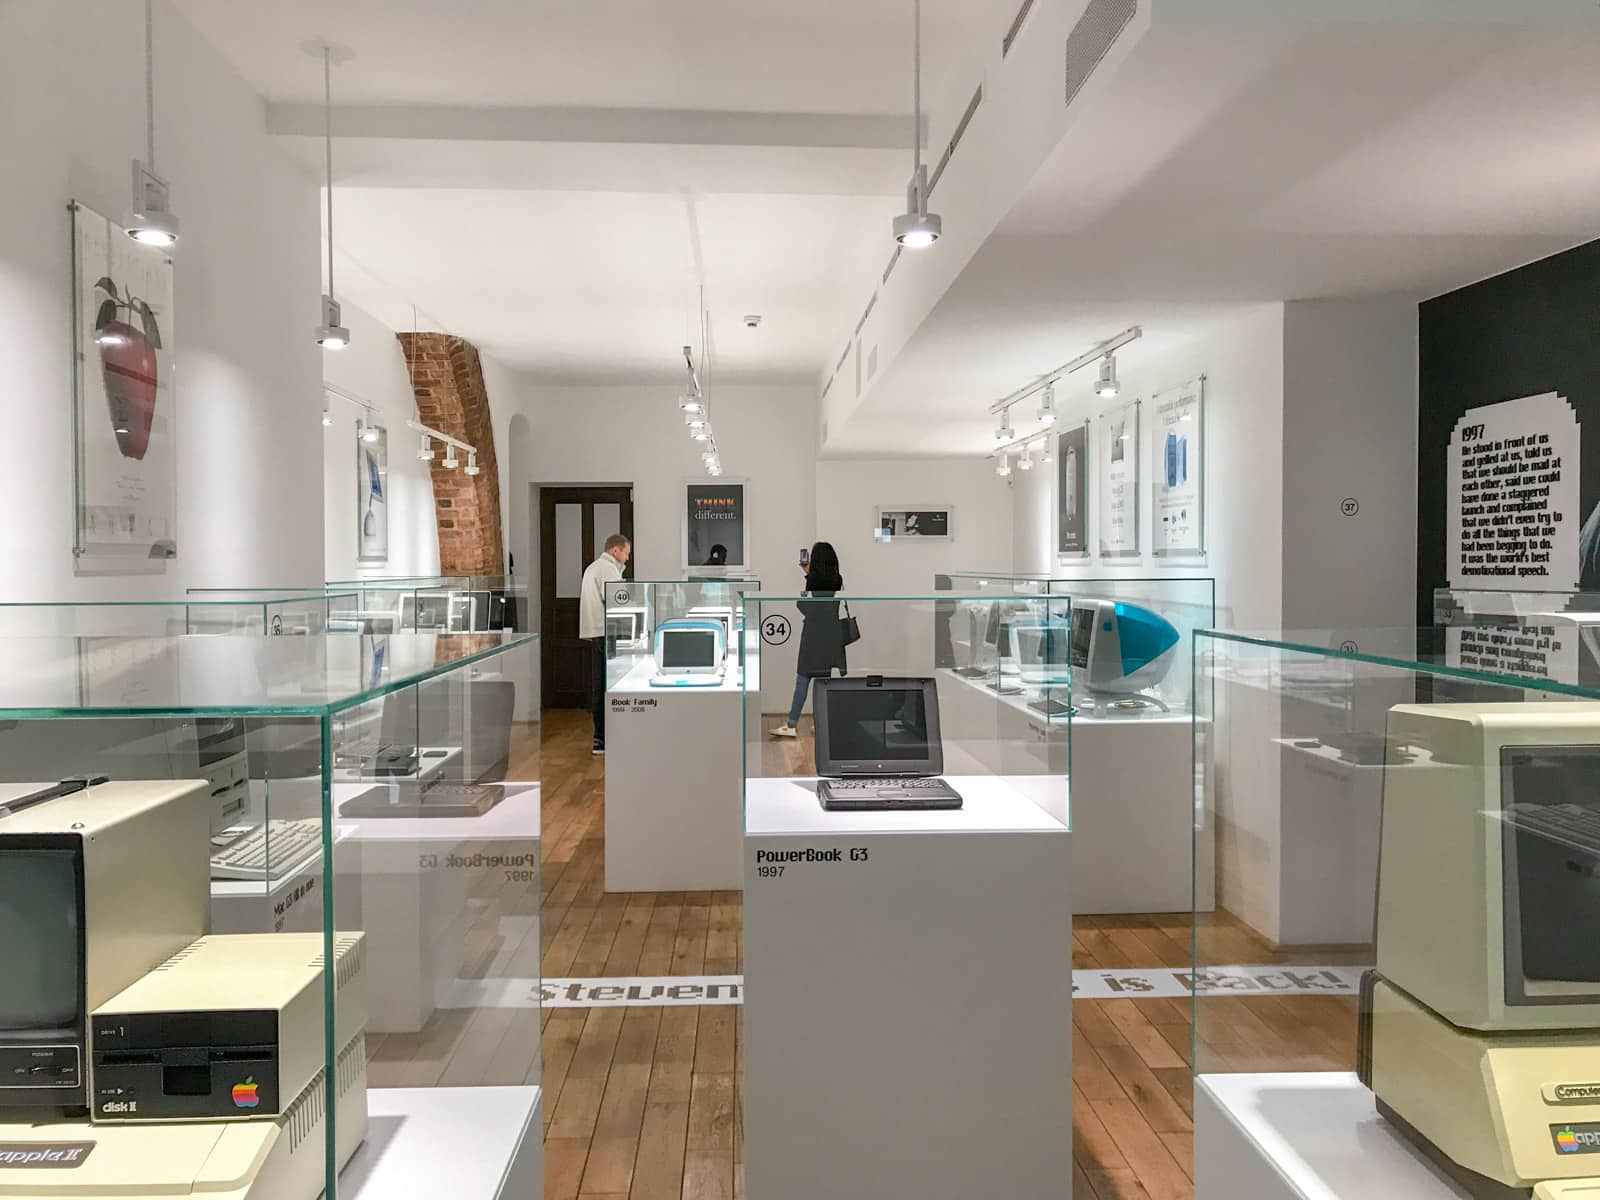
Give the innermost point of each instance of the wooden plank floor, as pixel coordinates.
(644, 1103)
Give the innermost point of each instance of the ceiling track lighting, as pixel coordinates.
(1025, 459)
(327, 417)
(696, 404)
(152, 221)
(1107, 386)
(449, 462)
(1049, 455)
(917, 228)
(332, 333)
(1003, 467)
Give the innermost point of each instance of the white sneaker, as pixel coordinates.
(784, 731)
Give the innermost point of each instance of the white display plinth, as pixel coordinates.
(908, 1008)
(482, 1143)
(1328, 845)
(289, 903)
(1133, 795)
(1307, 1136)
(674, 761)
(406, 882)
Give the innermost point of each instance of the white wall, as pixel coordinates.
(635, 435)
(373, 368)
(849, 492)
(1242, 359)
(249, 462)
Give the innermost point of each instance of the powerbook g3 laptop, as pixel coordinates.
(878, 745)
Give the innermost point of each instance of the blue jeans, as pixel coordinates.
(801, 686)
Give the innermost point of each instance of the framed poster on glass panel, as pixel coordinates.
(372, 494)
(925, 522)
(1118, 475)
(1072, 492)
(124, 406)
(716, 527)
(1180, 513)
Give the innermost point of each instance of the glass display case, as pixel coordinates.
(281, 612)
(426, 604)
(912, 839)
(652, 625)
(238, 812)
(1398, 992)
(1135, 646)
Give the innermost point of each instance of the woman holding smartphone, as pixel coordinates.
(821, 634)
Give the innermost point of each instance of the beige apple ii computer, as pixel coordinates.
(139, 1056)
(1480, 1027)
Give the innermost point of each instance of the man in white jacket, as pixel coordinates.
(602, 573)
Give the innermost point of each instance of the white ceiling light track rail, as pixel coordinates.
(1012, 448)
(695, 402)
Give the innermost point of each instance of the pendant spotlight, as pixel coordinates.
(692, 405)
(1025, 459)
(369, 431)
(451, 462)
(425, 453)
(472, 463)
(1003, 467)
(1004, 432)
(327, 417)
(917, 228)
(1107, 386)
(331, 334)
(1049, 455)
(152, 222)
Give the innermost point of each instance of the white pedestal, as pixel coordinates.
(1133, 795)
(290, 903)
(674, 768)
(908, 1008)
(483, 1143)
(407, 881)
(1310, 1136)
(1328, 845)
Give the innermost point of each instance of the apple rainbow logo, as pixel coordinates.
(246, 1095)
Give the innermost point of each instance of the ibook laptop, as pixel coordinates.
(878, 745)
(690, 654)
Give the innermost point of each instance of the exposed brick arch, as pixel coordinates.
(447, 379)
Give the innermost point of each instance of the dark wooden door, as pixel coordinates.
(574, 523)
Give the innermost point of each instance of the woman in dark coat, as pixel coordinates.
(821, 633)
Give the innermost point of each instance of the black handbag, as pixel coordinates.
(849, 629)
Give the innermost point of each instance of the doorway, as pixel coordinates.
(574, 523)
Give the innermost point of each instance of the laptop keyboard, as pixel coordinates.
(898, 784)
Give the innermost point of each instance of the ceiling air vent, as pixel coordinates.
(871, 304)
(1016, 27)
(955, 140)
(894, 261)
(1091, 39)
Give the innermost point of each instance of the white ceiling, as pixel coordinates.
(1222, 168)
(600, 286)
(822, 56)
(554, 179)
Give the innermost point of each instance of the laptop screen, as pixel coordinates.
(878, 724)
(688, 649)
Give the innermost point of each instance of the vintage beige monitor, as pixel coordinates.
(1480, 1027)
(97, 886)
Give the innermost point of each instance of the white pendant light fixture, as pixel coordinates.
(1003, 467)
(369, 431)
(451, 462)
(331, 334)
(1107, 387)
(425, 452)
(1049, 455)
(327, 417)
(917, 228)
(152, 221)
(692, 405)
(1047, 405)
(472, 462)
(1025, 460)
(1004, 432)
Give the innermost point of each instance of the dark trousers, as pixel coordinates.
(597, 688)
